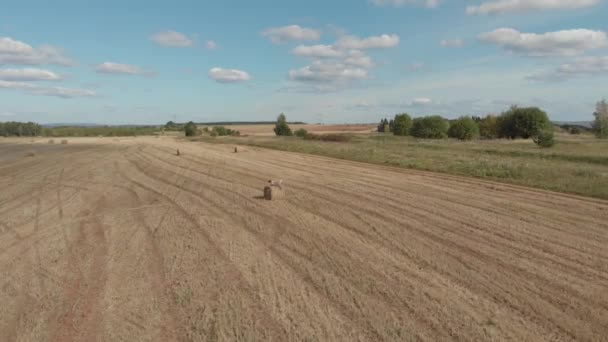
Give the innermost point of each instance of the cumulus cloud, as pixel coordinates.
(558, 43)
(421, 101)
(172, 39)
(317, 51)
(384, 41)
(28, 74)
(117, 68)
(280, 35)
(583, 66)
(228, 75)
(46, 91)
(210, 45)
(400, 3)
(505, 6)
(453, 43)
(327, 72)
(16, 52)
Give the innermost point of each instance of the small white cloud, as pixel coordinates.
(558, 43)
(47, 91)
(117, 68)
(583, 66)
(359, 59)
(401, 3)
(172, 39)
(316, 51)
(228, 75)
(324, 72)
(211, 45)
(506, 6)
(453, 43)
(16, 52)
(280, 35)
(28, 74)
(384, 41)
(421, 101)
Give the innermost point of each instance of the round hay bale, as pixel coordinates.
(51, 141)
(268, 193)
(64, 142)
(272, 193)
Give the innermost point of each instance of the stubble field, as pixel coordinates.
(120, 239)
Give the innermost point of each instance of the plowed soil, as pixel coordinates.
(122, 240)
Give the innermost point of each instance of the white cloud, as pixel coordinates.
(505, 6)
(327, 72)
(28, 74)
(421, 101)
(211, 45)
(117, 68)
(280, 35)
(172, 39)
(228, 75)
(384, 41)
(359, 59)
(560, 43)
(47, 91)
(583, 66)
(453, 43)
(317, 51)
(17, 52)
(400, 3)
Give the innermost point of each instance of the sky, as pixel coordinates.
(338, 61)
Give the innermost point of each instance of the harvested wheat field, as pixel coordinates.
(106, 240)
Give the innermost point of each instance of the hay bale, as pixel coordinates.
(64, 142)
(236, 150)
(272, 193)
(51, 141)
(178, 153)
(30, 154)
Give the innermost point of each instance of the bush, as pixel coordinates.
(190, 129)
(575, 130)
(522, 122)
(328, 137)
(402, 124)
(301, 133)
(464, 128)
(600, 123)
(430, 127)
(545, 138)
(488, 127)
(281, 128)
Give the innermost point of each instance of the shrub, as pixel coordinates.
(464, 128)
(301, 133)
(544, 138)
(488, 127)
(522, 122)
(402, 124)
(383, 127)
(281, 127)
(328, 137)
(575, 130)
(430, 127)
(190, 129)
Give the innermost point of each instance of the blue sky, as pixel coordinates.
(145, 62)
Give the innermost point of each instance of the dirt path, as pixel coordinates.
(105, 240)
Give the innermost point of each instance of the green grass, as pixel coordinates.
(577, 164)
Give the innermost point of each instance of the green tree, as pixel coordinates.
(430, 127)
(301, 133)
(488, 127)
(465, 128)
(522, 122)
(402, 124)
(190, 129)
(600, 124)
(282, 128)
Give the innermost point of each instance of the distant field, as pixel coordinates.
(267, 130)
(577, 164)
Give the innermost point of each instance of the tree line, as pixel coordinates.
(31, 129)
